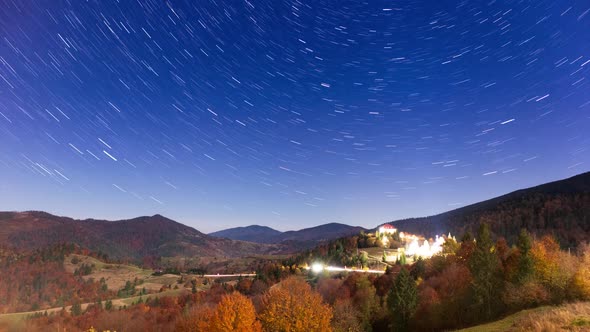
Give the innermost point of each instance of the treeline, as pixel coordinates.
(345, 251)
(566, 216)
(473, 281)
(290, 306)
(38, 280)
(155, 313)
(479, 279)
(476, 280)
(342, 252)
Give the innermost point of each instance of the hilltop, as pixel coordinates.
(302, 238)
(135, 238)
(252, 233)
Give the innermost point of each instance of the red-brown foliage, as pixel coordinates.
(38, 280)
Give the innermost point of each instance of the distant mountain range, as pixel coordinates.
(303, 237)
(133, 238)
(141, 237)
(253, 233)
(561, 208)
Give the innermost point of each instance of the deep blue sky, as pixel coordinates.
(287, 113)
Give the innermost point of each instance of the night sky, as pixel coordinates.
(287, 113)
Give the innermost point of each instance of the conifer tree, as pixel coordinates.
(525, 262)
(484, 265)
(402, 300)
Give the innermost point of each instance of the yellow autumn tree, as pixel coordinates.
(292, 306)
(553, 268)
(545, 253)
(235, 312)
(582, 276)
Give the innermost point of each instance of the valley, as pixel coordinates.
(294, 166)
(349, 268)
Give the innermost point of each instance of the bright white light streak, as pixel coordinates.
(121, 189)
(109, 155)
(105, 143)
(156, 200)
(75, 148)
(63, 176)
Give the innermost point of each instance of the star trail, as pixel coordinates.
(287, 113)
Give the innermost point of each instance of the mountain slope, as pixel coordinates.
(297, 239)
(253, 233)
(320, 233)
(134, 238)
(561, 208)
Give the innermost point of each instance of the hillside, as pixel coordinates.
(320, 233)
(561, 208)
(253, 233)
(568, 317)
(133, 238)
(299, 239)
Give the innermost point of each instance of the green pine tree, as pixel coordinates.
(402, 300)
(525, 263)
(108, 305)
(76, 309)
(484, 265)
(403, 259)
(419, 268)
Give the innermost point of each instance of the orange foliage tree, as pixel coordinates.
(292, 306)
(197, 319)
(235, 312)
(553, 268)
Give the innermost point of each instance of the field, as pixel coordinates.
(117, 275)
(17, 321)
(569, 317)
(215, 265)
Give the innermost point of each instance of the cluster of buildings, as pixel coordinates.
(415, 246)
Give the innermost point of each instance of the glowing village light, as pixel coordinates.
(426, 249)
(317, 267)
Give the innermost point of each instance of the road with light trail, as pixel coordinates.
(344, 269)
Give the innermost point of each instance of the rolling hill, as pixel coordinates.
(561, 208)
(133, 238)
(303, 238)
(320, 233)
(253, 233)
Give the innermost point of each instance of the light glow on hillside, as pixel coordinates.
(317, 267)
(425, 250)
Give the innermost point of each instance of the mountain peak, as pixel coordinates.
(129, 238)
(252, 233)
(311, 235)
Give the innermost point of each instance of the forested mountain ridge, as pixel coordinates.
(561, 208)
(135, 238)
(252, 233)
(303, 238)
